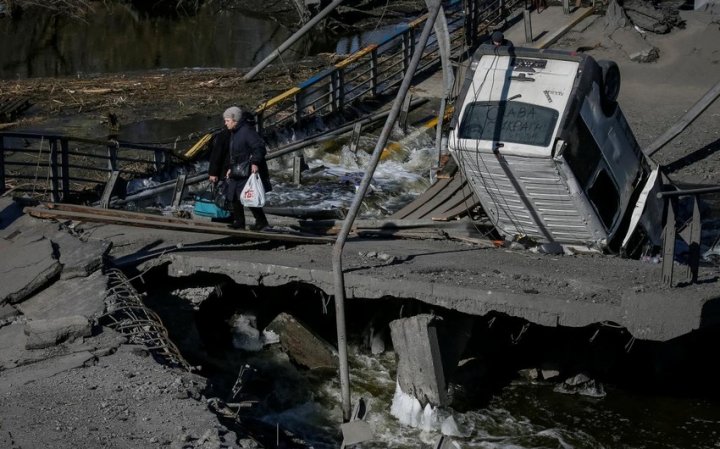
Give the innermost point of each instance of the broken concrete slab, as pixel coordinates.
(302, 345)
(45, 333)
(634, 45)
(28, 264)
(84, 297)
(650, 17)
(13, 353)
(12, 345)
(79, 258)
(615, 17)
(7, 313)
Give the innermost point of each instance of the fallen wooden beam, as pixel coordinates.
(125, 218)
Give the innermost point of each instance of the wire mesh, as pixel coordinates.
(127, 314)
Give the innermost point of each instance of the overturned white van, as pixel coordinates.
(542, 142)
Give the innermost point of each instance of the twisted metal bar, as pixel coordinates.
(127, 314)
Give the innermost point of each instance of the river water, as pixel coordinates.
(116, 38)
(519, 415)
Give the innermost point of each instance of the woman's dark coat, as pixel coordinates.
(241, 144)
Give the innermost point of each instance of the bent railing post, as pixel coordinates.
(374, 72)
(694, 243)
(159, 159)
(355, 207)
(109, 187)
(112, 149)
(691, 236)
(55, 191)
(668, 243)
(65, 167)
(442, 34)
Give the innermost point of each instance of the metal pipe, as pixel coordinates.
(442, 34)
(357, 202)
(699, 191)
(292, 39)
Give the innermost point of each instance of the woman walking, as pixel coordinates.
(237, 145)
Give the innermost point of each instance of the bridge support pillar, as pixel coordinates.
(428, 352)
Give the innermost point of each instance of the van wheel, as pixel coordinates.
(610, 80)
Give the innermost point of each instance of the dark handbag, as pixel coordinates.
(240, 170)
(220, 196)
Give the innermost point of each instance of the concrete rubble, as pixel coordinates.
(52, 296)
(631, 40)
(302, 345)
(28, 263)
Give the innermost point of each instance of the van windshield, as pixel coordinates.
(508, 121)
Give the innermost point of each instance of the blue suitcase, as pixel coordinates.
(205, 206)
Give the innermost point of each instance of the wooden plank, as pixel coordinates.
(460, 210)
(430, 193)
(438, 201)
(169, 223)
(449, 171)
(459, 198)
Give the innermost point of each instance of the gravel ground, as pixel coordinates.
(655, 95)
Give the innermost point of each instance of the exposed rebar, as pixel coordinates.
(128, 315)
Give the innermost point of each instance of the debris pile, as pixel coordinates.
(63, 369)
(649, 17)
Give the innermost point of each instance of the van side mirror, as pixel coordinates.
(560, 146)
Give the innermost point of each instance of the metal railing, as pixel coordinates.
(55, 167)
(379, 68)
(690, 232)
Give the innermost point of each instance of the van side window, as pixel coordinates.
(604, 196)
(583, 155)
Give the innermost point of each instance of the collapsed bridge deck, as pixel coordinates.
(547, 290)
(434, 264)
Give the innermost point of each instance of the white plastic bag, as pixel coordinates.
(253, 194)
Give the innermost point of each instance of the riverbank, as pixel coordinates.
(84, 102)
